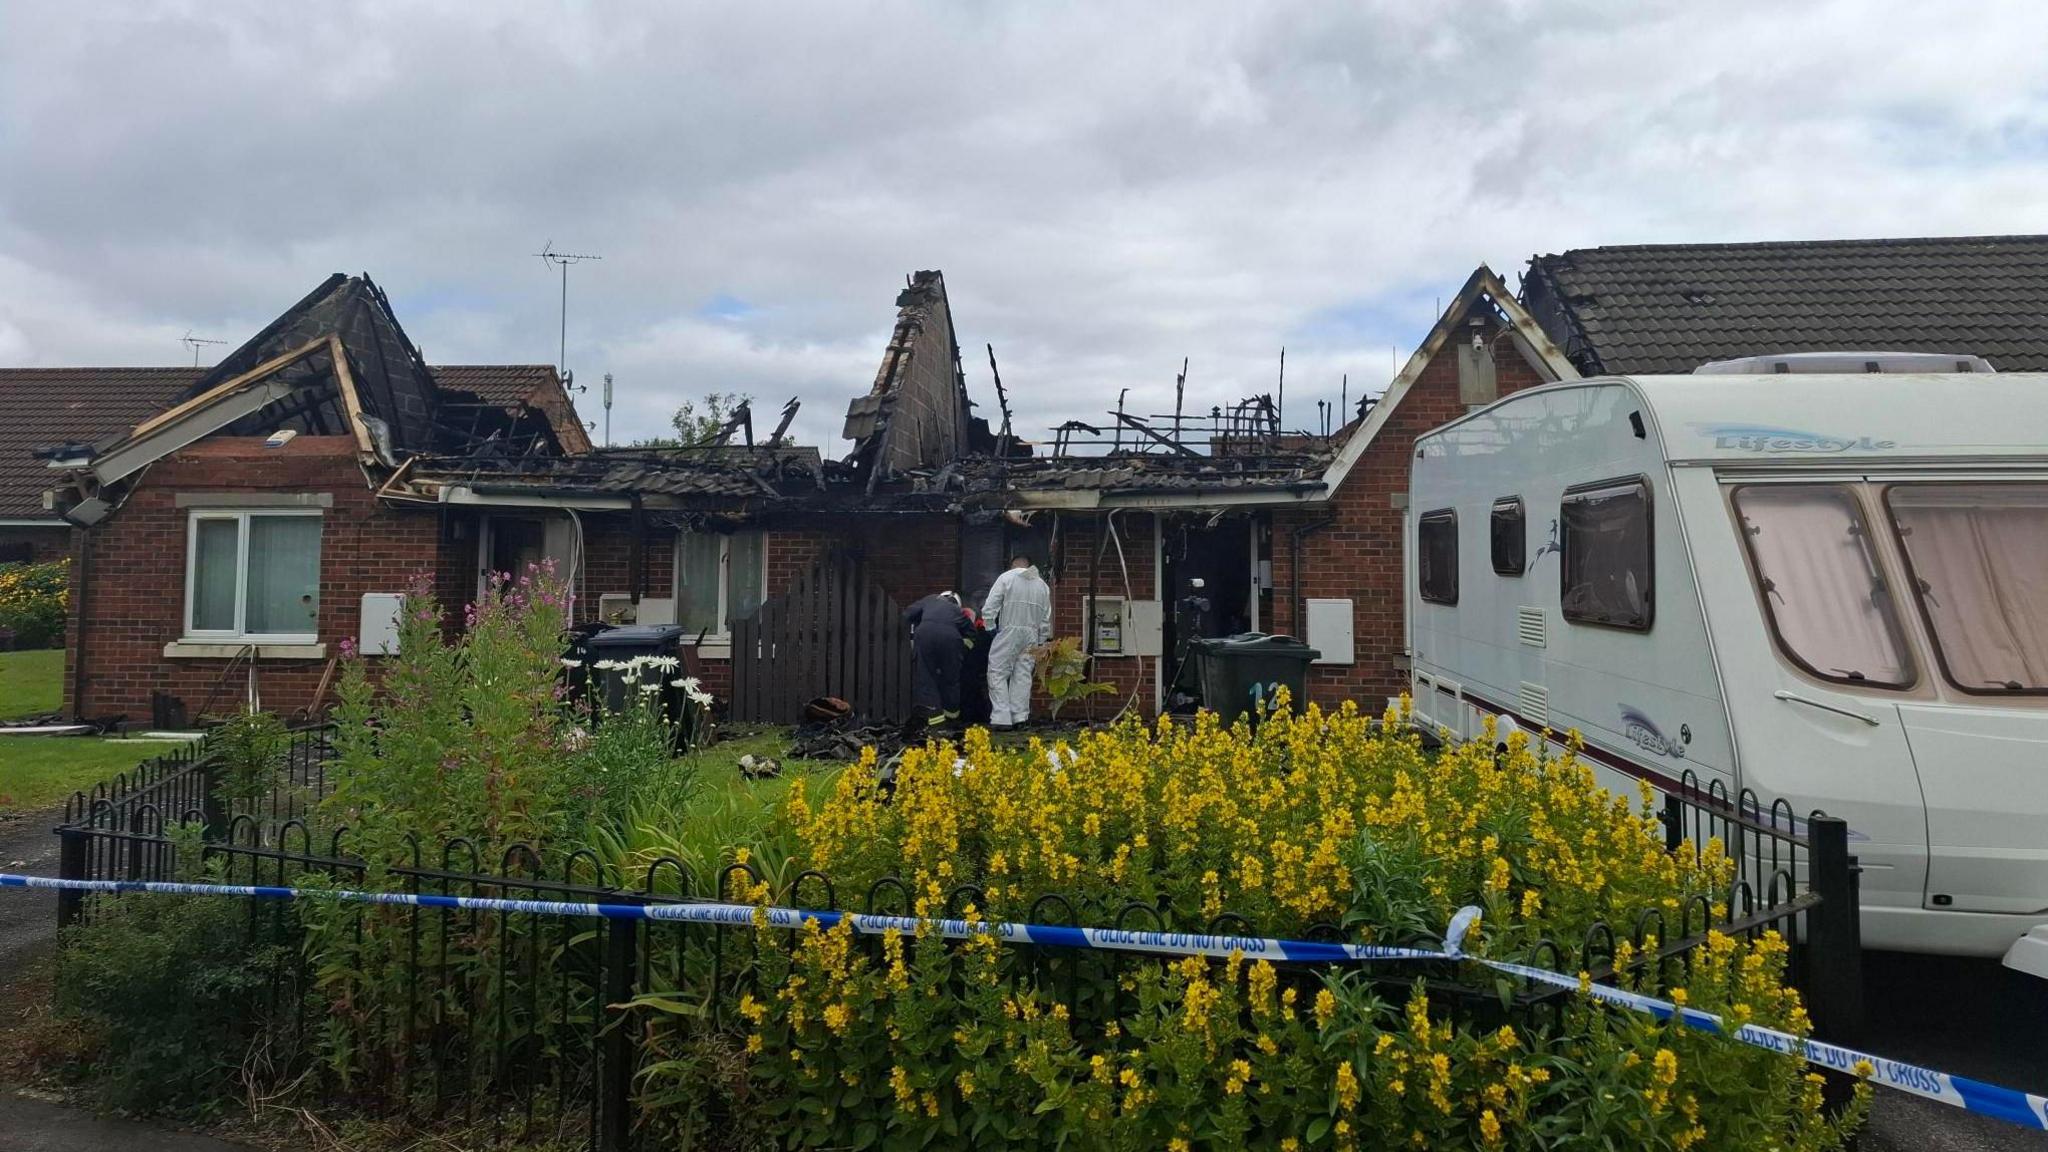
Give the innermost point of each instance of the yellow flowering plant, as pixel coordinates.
(32, 602)
(1312, 819)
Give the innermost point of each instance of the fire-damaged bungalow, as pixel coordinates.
(228, 544)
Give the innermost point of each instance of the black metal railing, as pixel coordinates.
(523, 1024)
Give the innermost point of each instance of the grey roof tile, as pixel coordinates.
(1670, 307)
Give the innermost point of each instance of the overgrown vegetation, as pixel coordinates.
(171, 993)
(32, 602)
(247, 750)
(1310, 822)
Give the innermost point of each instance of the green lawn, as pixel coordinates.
(31, 682)
(38, 772)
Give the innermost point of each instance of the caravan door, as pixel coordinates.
(1978, 554)
(1819, 722)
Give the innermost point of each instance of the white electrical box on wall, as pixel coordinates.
(1107, 616)
(1144, 628)
(616, 608)
(1330, 631)
(378, 633)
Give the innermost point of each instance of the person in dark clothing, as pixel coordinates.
(940, 632)
(975, 706)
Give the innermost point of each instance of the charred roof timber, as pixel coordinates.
(916, 416)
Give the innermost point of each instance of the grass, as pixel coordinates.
(38, 772)
(30, 682)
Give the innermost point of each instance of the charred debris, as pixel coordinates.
(919, 444)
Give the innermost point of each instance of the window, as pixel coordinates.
(1823, 591)
(253, 575)
(719, 579)
(1510, 552)
(1436, 556)
(1605, 541)
(1979, 557)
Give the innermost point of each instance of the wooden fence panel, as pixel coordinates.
(834, 633)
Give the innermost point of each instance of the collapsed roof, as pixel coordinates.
(337, 363)
(917, 415)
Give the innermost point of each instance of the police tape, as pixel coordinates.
(2024, 1109)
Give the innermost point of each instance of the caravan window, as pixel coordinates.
(1436, 556)
(1979, 555)
(1605, 542)
(1823, 591)
(1510, 552)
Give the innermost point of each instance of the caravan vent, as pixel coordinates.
(1529, 626)
(1533, 701)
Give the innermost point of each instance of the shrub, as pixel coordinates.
(934, 1045)
(33, 599)
(1063, 673)
(171, 991)
(1310, 820)
(249, 749)
(462, 736)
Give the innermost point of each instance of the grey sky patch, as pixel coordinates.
(1107, 191)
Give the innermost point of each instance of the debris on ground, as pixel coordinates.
(827, 710)
(844, 739)
(754, 767)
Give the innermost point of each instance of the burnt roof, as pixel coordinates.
(916, 414)
(1285, 468)
(1672, 307)
(44, 407)
(722, 471)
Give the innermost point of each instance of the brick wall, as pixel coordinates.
(1358, 554)
(1079, 538)
(136, 602)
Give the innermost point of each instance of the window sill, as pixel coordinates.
(229, 649)
(713, 648)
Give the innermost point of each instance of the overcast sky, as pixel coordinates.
(1107, 192)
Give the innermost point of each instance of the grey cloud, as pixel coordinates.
(1107, 189)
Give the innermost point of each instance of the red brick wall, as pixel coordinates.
(1359, 553)
(136, 602)
(1078, 538)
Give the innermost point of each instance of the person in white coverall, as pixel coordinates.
(1019, 608)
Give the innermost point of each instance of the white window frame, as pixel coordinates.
(722, 637)
(241, 517)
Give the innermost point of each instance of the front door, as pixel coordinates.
(510, 544)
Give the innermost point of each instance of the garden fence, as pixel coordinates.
(525, 1023)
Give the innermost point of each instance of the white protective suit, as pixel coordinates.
(1019, 608)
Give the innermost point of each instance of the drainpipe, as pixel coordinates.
(78, 607)
(1294, 572)
(1094, 596)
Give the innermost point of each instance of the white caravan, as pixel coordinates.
(1831, 589)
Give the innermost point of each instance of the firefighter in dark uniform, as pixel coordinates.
(941, 632)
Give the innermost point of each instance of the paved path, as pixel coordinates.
(28, 929)
(28, 920)
(28, 1125)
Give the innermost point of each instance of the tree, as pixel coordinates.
(698, 420)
